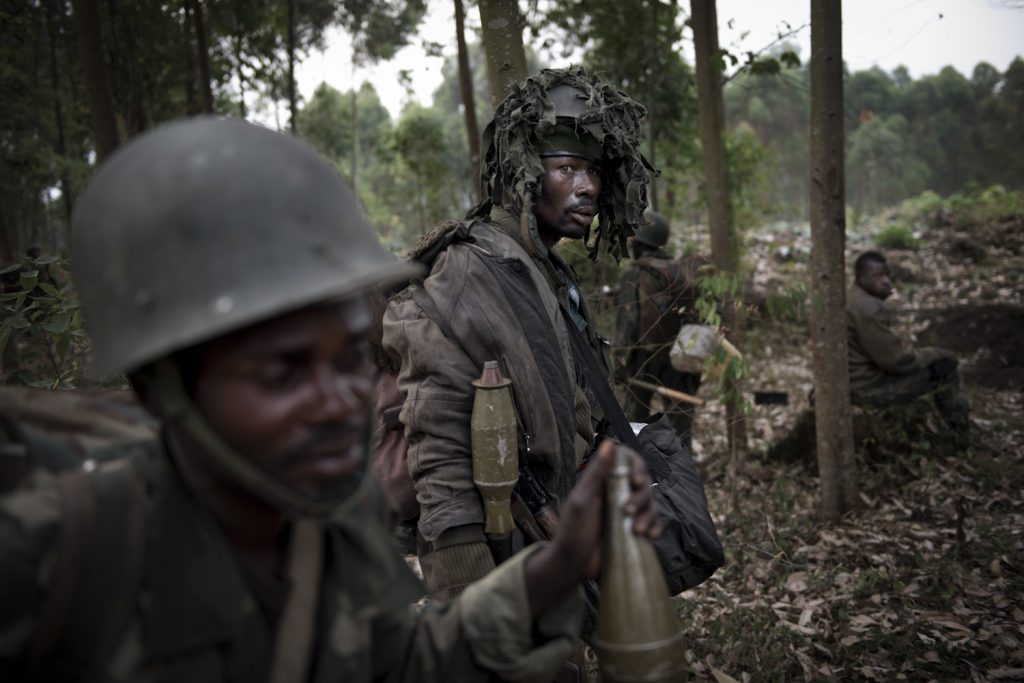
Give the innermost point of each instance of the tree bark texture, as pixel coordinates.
(293, 106)
(202, 54)
(711, 122)
(468, 100)
(503, 42)
(59, 147)
(101, 106)
(834, 431)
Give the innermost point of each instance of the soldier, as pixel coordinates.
(656, 297)
(222, 268)
(885, 369)
(563, 148)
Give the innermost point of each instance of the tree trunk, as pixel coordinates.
(241, 76)
(293, 106)
(724, 253)
(136, 118)
(468, 100)
(203, 55)
(186, 44)
(652, 69)
(834, 430)
(354, 161)
(503, 43)
(90, 45)
(59, 147)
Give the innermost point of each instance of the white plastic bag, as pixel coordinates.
(692, 346)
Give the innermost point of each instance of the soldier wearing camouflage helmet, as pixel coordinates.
(561, 151)
(223, 268)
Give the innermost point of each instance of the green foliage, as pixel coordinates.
(420, 145)
(941, 131)
(42, 342)
(897, 237)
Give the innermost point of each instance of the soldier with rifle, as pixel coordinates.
(223, 269)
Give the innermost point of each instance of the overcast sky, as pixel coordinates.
(923, 35)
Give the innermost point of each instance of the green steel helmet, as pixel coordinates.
(534, 119)
(203, 226)
(655, 233)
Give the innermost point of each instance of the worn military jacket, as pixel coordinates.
(655, 340)
(875, 350)
(500, 297)
(196, 617)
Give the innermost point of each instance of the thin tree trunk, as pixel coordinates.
(724, 253)
(832, 418)
(503, 43)
(203, 55)
(241, 76)
(468, 99)
(293, 106)
(189, 72)
(652, 69)
(90, 45)
(354, 162)
(59, 146)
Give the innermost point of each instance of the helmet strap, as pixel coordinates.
(177, 409)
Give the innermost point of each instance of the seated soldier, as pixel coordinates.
(885, 369)
(223, 269)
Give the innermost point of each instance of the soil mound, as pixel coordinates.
(988, 338)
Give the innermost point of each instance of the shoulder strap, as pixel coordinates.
(599, 385)
(98, 569)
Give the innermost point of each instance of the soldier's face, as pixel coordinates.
(875, 280)
(294, 394)
(569, 189)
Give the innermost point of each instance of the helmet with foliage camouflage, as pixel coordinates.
(655, 233)
(532, 113)
(207, 225)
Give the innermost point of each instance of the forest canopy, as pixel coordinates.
(159, 61)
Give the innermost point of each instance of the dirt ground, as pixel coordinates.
(925, 580)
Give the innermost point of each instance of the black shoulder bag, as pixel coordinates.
(688, 549)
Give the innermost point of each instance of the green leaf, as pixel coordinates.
(10, 268)
(59, 323)
(50, 289)
(62, 345)
(17, 322)
(44, 260)
(28, 279)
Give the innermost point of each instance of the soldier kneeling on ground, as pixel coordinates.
(886, 369)
(223, 267)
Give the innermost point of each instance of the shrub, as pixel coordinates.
(897, 237)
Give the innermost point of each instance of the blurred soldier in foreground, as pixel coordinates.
(222, 267)
(885, 369)
(656, 297)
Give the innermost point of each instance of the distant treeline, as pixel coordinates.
(941, 132)
(68, 102)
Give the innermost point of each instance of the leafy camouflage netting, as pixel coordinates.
(512, 168)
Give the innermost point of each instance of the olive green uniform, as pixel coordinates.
(885, 369)
(202, 614)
